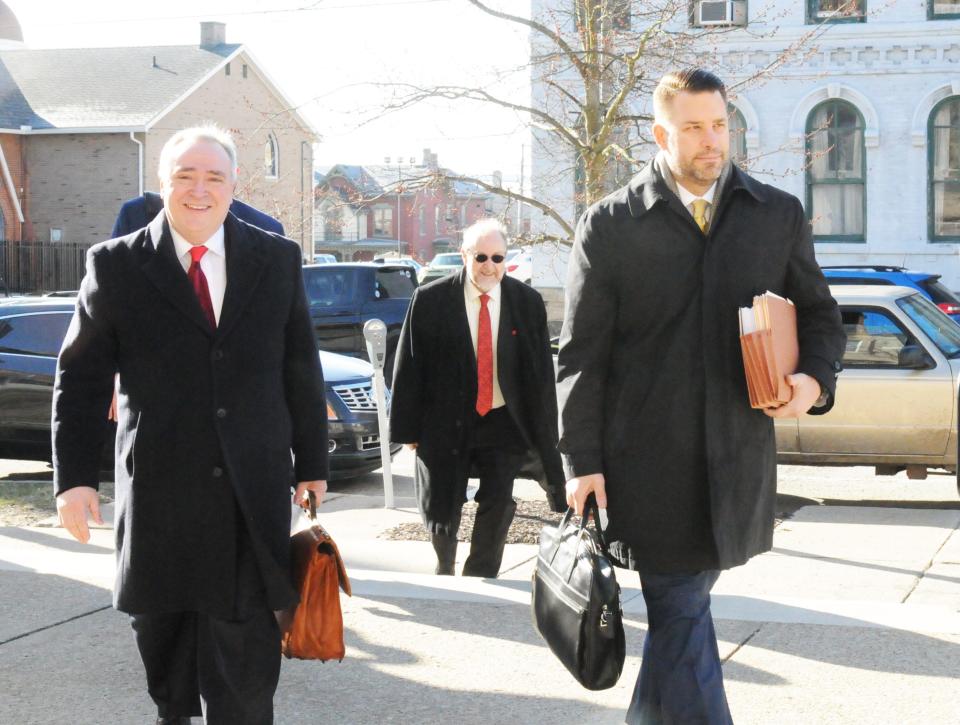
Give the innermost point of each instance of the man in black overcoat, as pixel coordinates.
(221, 411)
(655, 414)
(474, 393)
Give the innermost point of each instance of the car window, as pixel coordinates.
(329, 287)
(831, 279)
(34, 334)
(511, 253)
(874, 338)
(938, 291)
(944, 332)
(394, 284)
(447, 260)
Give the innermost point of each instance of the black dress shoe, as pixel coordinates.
(173, 721)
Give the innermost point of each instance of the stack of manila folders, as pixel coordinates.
(768, 340)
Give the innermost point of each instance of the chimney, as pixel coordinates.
(430, 159)
(212, 34)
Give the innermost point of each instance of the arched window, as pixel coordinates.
(836, 172)
(271, 157)
(738, 136)
(944, 174)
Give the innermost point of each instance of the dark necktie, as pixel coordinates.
(484, 359)
(199, 281)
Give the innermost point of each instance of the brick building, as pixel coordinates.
(81, 131)
(363, 211)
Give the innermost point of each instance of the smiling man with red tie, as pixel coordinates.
(474, 394)
(221, 412)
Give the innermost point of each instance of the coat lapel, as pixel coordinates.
(164, 270)
(506, 344)
(245, 263)
(460, 327)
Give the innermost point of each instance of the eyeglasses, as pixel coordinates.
(495, 258)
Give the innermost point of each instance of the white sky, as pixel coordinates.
(321, 53)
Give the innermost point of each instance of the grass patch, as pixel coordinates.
(25, 503)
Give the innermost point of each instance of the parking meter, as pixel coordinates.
(375, 335)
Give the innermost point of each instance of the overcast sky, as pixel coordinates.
(322, 53)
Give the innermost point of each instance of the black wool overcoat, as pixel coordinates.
(650, 374)
(207, 419)
(435, 391)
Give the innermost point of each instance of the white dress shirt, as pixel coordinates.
(471, 298)
(213, 264)
(687, 199)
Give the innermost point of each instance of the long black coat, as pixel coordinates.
(205, 418)
(651, 380)
(435, 391)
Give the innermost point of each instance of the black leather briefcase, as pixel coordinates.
(576, 601)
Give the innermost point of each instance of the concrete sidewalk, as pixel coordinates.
(854, 617)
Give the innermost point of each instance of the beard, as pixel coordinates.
(705, 174)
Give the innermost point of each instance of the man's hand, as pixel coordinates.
(72, 507)
(411, 446)
(301, 496)
(806, 390)
(579, 488)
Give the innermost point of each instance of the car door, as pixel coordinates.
(29, 345)
(882, 407)
(334, 308)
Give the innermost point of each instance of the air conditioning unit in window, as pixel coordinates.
(721, 12)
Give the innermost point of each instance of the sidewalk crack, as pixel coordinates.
(929, 564)
(743, 644)
(55, 624)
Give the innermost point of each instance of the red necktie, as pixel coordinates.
(484, 359)
(199, 281)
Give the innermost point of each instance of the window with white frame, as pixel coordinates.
(944, 173)
(383, 221)
(271, 157)
(836, 172)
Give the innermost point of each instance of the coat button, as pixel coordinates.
(221, 413)
(218, 354)
(217, 472)
(454, 451)
(458, 423)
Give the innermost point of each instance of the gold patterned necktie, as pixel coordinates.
(700, 213)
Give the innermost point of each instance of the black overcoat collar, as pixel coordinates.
(648, 188)
(245, 263)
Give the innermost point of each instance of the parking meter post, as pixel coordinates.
(375, 335)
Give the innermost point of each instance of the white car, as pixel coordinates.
(520, 265)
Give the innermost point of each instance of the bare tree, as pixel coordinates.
(594, 65)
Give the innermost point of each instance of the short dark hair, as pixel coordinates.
(692, 80)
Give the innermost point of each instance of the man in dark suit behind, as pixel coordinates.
(204, 318)
(136, 213)
(474, 393)
(656, 417)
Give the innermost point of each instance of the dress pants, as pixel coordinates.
(223, 668)
(681, 680)
(496, 458)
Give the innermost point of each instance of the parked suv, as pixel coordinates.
(31, 333)
(896, 406)
(927, 283)
(344, 296)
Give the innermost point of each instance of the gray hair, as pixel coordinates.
(481, 228)
(189, 136)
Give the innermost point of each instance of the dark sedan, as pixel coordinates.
(32, 330)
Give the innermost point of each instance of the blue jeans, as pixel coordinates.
(681, 681)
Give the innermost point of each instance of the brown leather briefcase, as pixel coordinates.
(313, 629)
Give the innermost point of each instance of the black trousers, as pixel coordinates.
(496, 457)
(223, 668)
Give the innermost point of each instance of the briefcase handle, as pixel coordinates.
(590, 507)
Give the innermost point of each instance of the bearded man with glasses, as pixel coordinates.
(474, 394)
